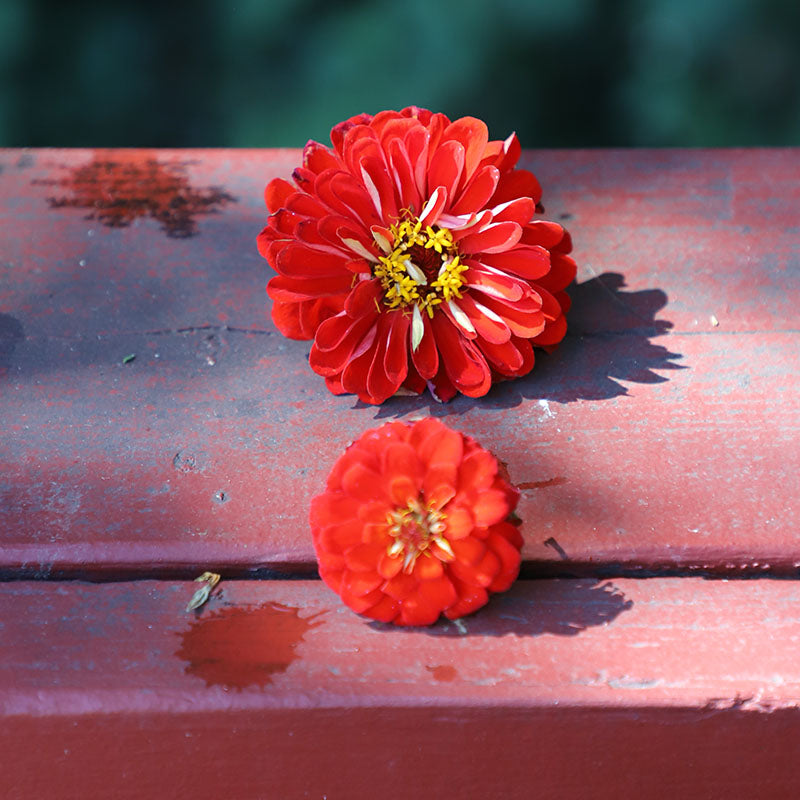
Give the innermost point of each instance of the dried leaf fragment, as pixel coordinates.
(200, 597)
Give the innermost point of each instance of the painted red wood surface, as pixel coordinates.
(657, 688)
(654, 438)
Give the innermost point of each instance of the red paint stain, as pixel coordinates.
(557, 481)
(443, 672)
(121, 187)
(242, 647)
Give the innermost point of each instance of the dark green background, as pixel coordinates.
(256, 73)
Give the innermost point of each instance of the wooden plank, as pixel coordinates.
(651, 440)
(660, 688)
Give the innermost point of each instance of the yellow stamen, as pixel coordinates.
(414, 530)
(405, 271)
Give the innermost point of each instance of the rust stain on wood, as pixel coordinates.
(443, 672)
(119, 188)
(242, 647)
(557, 481)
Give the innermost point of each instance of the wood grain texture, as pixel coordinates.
(559, 689)
(652, 440)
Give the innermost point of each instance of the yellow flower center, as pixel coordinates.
(418, 530)
(423, 268)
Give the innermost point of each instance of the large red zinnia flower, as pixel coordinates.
(409, 252)
(412, 525)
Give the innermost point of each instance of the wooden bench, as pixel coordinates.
(155, 425)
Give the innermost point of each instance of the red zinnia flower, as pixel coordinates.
(409, 252)
(412, 524)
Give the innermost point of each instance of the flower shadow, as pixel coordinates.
(608, 343)
(532, 608)
(11, 332)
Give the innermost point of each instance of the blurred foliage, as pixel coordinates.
(256, 73)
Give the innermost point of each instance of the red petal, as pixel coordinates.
(504, 155)
(439, 592)
(284, 222)
(477, 192)
(520, 211)
(340, 131)
(441, 387)
(480, 574)
(473, 135)
(465, 365)
(439, 484)
(530, 262)
(413, 383)
(338, 538)
(488, 328)
(336, 341)
(441, 446)
(301, 320)
(490, 507)
(428, 568)
(332, 509)
(494, 238)
(426, 356)
(505, 358)
(446, 167)
(470, 550)
(299, 261)
(379, 386)
(373, 170)
(542, 232)
(317, 157)
(494, 283)
(385, 610)
(363, 484)
(359, 142)
(519, 183)
(305, 205)
(417, 611)
(360, 583)
(365, 557)
(296, 289)
(552, 334)
(400, 586)
(400, 458)
(395, 362)
(276, 193)
(434, 205)
(363, 300)
(562, 273)
(389, 566)
(460, 523)
(509, 562)
(521, 322)
(360, 603)
(417, 142)
(477, 471)
(403, 172)
(436, 125)
(510, 533)
(335, 227)
(307, 232)
(470, 598)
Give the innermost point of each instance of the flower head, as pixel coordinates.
(410, 252)
(413, 524)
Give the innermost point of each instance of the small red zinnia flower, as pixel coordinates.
(409, 252)
(413, 524)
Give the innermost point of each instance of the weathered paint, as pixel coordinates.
(560, 689)
(661, 435)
